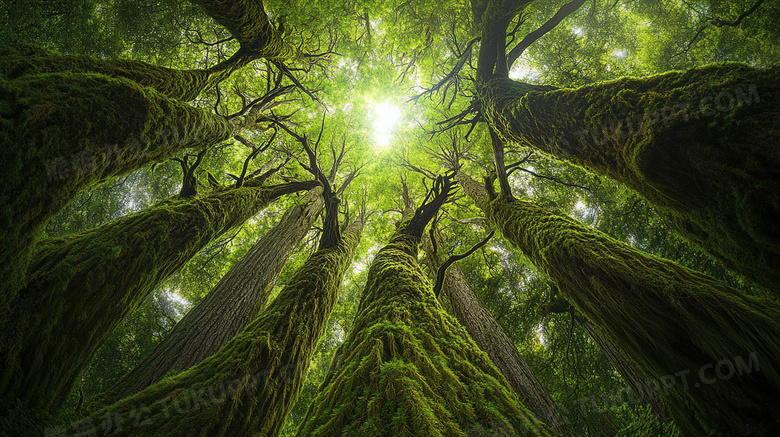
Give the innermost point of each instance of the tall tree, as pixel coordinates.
(486, 332)
(81, 286)
(254, 379)
(226, 310)
(669, 320)
(407, 368)
(701, 145)
(84, 121)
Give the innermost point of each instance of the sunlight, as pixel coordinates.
(175, 297)
(540, 335)
(386, 116)
(619, 53)
(521, 71)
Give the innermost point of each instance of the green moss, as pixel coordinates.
(248, 22)
(469, 310)
(249, 386)
(701, 145)
(668, 319)
(408, 368)
(226, 310)
(69, 131)
(81, 286)
(183, 85)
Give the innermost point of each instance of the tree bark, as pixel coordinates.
(408, 368)
(249, 386)
(678, 325)
(638, 383)
(248, 21)
(182, 85)
(234, 302)
(64, 132)
(703, 146)
(491, 338)
(81, 286)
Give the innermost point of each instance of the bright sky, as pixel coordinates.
(386, 116)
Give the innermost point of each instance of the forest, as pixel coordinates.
(390, 218)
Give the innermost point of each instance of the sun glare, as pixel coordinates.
(386, 116)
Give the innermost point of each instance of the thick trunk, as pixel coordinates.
(638, 383)
(408, 368)
(702, 145)
(182, 85)
(714, 351)
(81, 286)
(248, 22)
(252, 382)
(487, 333)
(64, 132)
(234, 302)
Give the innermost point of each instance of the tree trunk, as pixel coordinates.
(64, 132)
(252, 382)
(81, 286)
(637, 382)
(682, 328)
(248, 21)
(702, 145)
(491, 338)
(234, 302)
(182, 85)
(408, 368)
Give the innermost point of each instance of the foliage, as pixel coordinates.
(365, 53)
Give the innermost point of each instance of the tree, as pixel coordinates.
(234, 302)
(81, 286)
(253, 380)
(408, 368)
(661, 314)
(706, 163)
(483, 329)
(696, 144)
(86, 121)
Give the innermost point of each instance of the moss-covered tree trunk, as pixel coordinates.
(247, 387)
(715, 351)
(248, 22)
(408, 369)
(69, 122)
(487, 333)
(645, 390)
(234, 302)
(182, 85)
(63, 132)
(81, 286)
(702, 145)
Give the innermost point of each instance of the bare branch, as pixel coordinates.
(451, 260)
(529, 39)
(717, 22)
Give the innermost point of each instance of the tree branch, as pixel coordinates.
(532, 37)
(451, 260)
